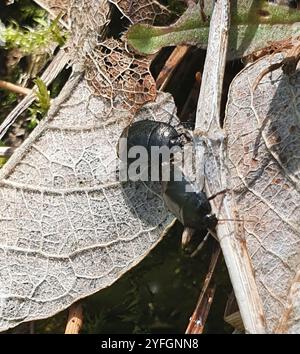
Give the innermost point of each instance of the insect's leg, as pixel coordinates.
(200, 246)
(186, 237)
(182, 138)
(223, 191)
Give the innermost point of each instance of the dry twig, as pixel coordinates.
(6, 151)
(75, 319)
(54, 68)
(173, 61)
(14, 88)
(211, 153)
(199, 316)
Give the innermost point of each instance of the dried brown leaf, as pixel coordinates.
(115, 73)
(144, 11)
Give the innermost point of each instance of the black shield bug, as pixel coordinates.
(190, 206)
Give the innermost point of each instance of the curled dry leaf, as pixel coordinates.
(141, 11)
(115, 73)
(264, 172)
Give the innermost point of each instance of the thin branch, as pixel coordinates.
(232, 314)
(54, 68)
(75, 319)
(211, 159)
(201, 245)
(6, 151)
(199, 316)
(173, 61)
(14, 88)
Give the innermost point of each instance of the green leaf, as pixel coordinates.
(253, 25)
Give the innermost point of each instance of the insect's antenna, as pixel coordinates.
(218, 193)
(236, 220)
(223, 191)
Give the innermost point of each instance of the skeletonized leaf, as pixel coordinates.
(145, 11)
(289, 322)
(113, 72)
(264, 171)
(110, 69)
(89, 19)
(68, 226)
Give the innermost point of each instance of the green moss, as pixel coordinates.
(33, 40)
(42, 95)
(29, 31)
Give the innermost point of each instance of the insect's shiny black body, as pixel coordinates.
(191, 207)
(150, 133)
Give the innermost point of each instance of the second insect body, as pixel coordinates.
(190, 206)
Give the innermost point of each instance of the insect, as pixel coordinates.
(190, 206)
(149, 133)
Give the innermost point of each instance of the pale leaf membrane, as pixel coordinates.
(141, 11)
(68, 227)
(118, 75)
(89, 19)
(264, 171)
